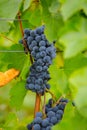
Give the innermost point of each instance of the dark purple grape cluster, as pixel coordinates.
(53, 116)
(42, 52)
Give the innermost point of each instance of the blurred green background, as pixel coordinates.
(66, 22)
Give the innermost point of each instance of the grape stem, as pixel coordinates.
(37, 104)
(22, 32)
(38, 97)
(44, 103)
(7, 38)
(53, 96)
(57, 102)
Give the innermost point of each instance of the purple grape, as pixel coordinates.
(50, 114)
(42, 43)
(53, 120)
(29, 40)
(45, 122)
(42, 48)
(38, 114)
(38, 38)
(36, 127)
(37, 120)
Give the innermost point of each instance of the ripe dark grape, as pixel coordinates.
(27, 31)
(50, 114)
(32, 33)
(38, 38)
(38, 120)
(29, 40)
(39, 114)
(42, 43)
(52, 118)
(42, 52)
(42, 48)
(36, 127)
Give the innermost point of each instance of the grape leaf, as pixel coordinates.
(75, 41)
(54, 7)
(53, 22)
(27, 4)
(17, 60)
(72, 116)
(79, 80)
(59, 80)
(17, 94)
(4, 26)
(8, 9)
(71, 7)
(11, 120)
(74, 63)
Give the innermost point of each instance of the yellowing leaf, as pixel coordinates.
(8, 76)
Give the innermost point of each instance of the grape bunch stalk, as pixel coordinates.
(42, 52)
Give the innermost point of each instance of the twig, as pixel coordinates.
(7, 38)
(22, 32)
(44, 103)
(53, 96)
(37, 104)
(38, 97)
(57, 102)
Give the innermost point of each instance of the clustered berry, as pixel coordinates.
(42, 52)
(53, 116)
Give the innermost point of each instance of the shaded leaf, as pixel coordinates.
(70, 7)
(17, 94)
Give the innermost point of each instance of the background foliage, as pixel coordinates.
(66, 22)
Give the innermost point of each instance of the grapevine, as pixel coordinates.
(42, 52)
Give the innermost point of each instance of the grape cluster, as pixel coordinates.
(53, 116)
(42, 52)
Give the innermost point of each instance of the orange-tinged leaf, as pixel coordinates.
(7, 76)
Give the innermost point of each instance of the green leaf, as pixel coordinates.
(75, 41)
(79, 80)
(54, 7)
(27, 4)
(17, 94)
(53, 25)
(51, 18)
(11, 120)
(33, 17)
(59, 81)
(17, 60)
(4, 26)
(71, 120)
(71, 7)
(9, 8)
(74, 63)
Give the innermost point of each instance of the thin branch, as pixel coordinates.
(44, 104)
(22, 32)
(57, 102)
(53, 96)
(38, 97)
(37, 104)
(24, 42)
(7, 38)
